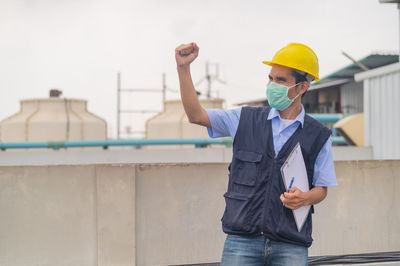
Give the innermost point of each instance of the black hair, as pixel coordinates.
(300, 78)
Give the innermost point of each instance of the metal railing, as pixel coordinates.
(327, 118)
(56, 145)
(330, 119)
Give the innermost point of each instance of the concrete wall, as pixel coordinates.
(362, 214)
(163, 214)
(118, 156)
(81, 215)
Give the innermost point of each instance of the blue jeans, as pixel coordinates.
(261, 251)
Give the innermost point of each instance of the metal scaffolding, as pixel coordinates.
(121, 90)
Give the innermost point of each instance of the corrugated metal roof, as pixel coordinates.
(329, 83)
(371, 61)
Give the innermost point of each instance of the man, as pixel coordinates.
(258, 216)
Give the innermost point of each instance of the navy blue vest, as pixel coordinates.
(253, 206)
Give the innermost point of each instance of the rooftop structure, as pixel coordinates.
(52, 119)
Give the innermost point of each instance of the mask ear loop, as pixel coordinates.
(296, 95)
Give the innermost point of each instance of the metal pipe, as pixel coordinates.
(327, 118)
(128, 142)
(208, 76)
(118, 104)
(67, 116)
(338, 141)
(361, 65)
(106, 143)
(164, 90)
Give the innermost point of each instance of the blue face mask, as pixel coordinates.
(277, 96)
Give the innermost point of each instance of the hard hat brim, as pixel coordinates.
(271, 63)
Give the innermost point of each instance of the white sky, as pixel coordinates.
(79, 46)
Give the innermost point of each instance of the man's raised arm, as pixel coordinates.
(185, 54)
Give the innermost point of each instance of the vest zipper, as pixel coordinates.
(266, 204)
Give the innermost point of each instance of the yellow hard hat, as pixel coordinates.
(297, 56)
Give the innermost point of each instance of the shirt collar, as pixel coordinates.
(300, 117)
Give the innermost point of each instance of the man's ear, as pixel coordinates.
(303, 87)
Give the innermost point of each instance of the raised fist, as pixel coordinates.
(186, 53)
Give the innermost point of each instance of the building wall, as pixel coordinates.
(310, 101)
(322, 100)
(169, 214)
(327, 100)
(351, 98)
(381, 110)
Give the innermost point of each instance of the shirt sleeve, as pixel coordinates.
(324, 170)
(224, 123)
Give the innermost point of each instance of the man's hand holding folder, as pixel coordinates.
(296, 198)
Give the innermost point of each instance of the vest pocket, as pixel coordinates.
(287, 229)
(246, 167)
(237, 213)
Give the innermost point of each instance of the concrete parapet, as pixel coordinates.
(163, 214)
(130, 156)
(362, 214)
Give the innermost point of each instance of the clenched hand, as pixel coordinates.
(186, 54)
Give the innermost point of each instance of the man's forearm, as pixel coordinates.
(194, 111)
(190, 101)
(316, 195)
(184, 55)
(297, 198)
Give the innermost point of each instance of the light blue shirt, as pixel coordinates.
(224, 123)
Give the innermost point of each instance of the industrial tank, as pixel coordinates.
(172, 123)
(52, 119)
